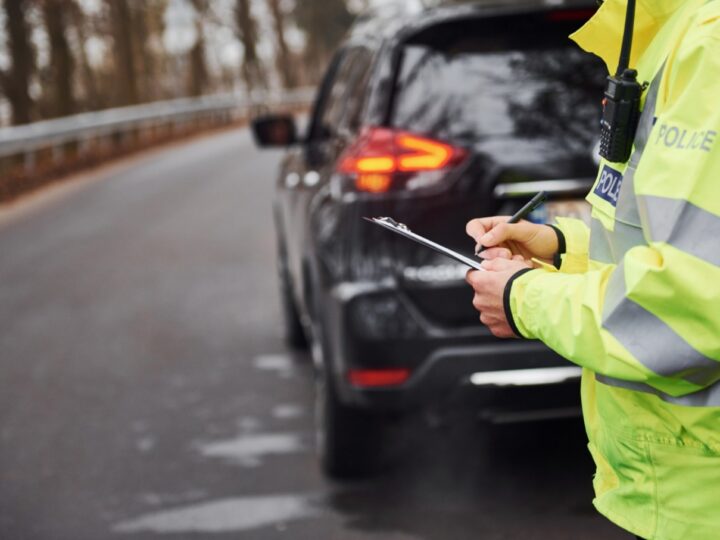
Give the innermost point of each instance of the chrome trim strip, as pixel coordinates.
(513, 417)
(526, 377)
(561, 186)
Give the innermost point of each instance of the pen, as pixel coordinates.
(536, 201)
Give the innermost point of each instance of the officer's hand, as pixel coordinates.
(489, 288)
(505, 240)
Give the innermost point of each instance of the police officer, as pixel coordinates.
(635, 298)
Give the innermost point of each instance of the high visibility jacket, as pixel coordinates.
(636, 300)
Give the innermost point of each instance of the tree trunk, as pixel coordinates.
(282, 56)
(198, 73)
(92, 100)
(252, 71)
(15, 82)
(123, 32)
(62, 65)
(144, 16)
(325, 24)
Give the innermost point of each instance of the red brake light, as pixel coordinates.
(370, 378)
(380, 153)
(374, 183)
(426, 155)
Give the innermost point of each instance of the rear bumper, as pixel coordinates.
(443, 362)
(480, 374)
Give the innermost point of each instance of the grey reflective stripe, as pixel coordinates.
(707, 397)
(614, 292)
(610, 246)
(624, 238)
(626, 209)
(647, 118)
(650, 340)
(600, 243)
(682, 225)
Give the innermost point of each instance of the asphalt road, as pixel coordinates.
(145, 391)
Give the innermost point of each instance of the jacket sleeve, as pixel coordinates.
(655, 317)
(576, 235)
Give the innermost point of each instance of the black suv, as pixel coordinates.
(432, 117)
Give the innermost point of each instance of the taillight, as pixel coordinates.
(376, 378)
(383, 159)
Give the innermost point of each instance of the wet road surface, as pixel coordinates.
(145, 391)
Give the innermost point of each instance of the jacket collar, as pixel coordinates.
(602, 34)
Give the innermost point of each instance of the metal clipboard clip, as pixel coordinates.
(403, 230)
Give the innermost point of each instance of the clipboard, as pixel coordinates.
(403, 230)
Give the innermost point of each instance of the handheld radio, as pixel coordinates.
(621, 106)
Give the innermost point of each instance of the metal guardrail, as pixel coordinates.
(30, 138)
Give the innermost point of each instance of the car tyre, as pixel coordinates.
(292, 325)
(352, 443)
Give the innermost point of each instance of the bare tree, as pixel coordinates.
(148, 26)
(198, 76)
(325, 24)
(283, 58)
(246, 29)
(56, 17)
(15, 82)
(90, 96)
(123, 50)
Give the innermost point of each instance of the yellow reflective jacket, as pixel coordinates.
(636, 301)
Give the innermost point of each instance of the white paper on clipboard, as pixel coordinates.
(398, 228)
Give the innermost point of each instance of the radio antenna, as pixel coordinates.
(626, 49)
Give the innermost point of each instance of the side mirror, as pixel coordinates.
(274, 130)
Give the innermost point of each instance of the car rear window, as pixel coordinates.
(506, 77)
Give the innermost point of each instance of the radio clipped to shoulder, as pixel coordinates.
(621, 105)
(621, 112)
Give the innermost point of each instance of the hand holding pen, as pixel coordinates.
(521, 214)
(500, 237)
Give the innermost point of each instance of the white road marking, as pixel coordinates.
(248, 450)
(145, 444)
(249, 424)
(287, 411)
(274, 362)
(224, 515)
